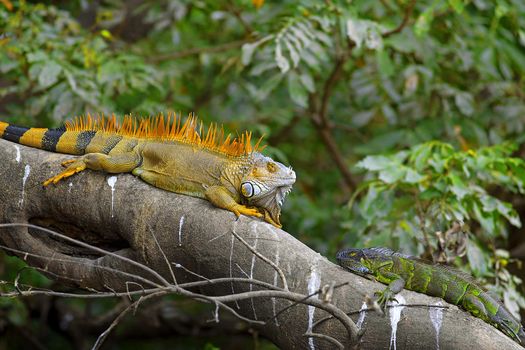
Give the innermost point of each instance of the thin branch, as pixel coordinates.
(89, 246)
(302, 300)
(408, 13)
(179, 266)
(199, 50)
(332, 340)
(216, 300)
(233, 9)
(116, 321)
(329, 85)
(72, 261)
(263, 258)
(347, 322)
(319, 117)
(48, 292)
(164, 256)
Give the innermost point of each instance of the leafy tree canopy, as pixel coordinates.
(403, 119)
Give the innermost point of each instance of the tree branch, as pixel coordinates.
(408, 13)
(207, 248)
(198, 50)
(319, 117)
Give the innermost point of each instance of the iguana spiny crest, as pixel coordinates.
(177, 156)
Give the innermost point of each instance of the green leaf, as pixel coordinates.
(49, 74)
(268, 86)
(457, 5)
(431, 193)
(392, 174)
(364, 32)
(424, 21)
(420, 155)
(458, 186)
(386, 67)
(413, 176)
(485, 219)
(63, 107)
(37, 56)
(377, 203)
(294, 52)
(374, 163)
(508, 212)
(280, 60)
(477, 258)
(297, 91)
(308, 82)
(465, 103)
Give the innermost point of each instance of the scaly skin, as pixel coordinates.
(172, 156)
(401, 271)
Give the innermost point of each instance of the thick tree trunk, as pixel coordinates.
(125, 215)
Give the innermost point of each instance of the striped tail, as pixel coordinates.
(53, 140)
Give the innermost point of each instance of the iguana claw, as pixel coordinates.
(67, 162)
(383, 297)
(241, 209)
(73, 166)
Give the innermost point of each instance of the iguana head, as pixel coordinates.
(266, 185)
(365, 260)
(354, 260)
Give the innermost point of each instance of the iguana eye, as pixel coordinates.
(249, 190)
(271, 167)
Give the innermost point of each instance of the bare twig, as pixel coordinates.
(104, 335)
(89, 246)
(39, 291)
(306, 297)
(72, 261)
(332, 340)
(408, 12)
(220, 301)
(263, 258)
(164, 256)
(330, 308)
(179, 266)
(233, 9)
(319, 117)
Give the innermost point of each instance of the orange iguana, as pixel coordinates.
(171, 155)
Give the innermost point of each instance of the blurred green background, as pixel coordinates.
(403, 119)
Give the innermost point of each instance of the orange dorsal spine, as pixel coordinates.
(170, 128)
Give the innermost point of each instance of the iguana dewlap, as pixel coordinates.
(171, 155)
(401, 271)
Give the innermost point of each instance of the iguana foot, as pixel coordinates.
(241, 209)
(75, 167)
(67, 162)
(384, 297)
(268, 218)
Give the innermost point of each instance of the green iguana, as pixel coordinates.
(175, 156)
(401, 271)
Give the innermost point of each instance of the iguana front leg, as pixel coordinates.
(221, 197)
(121, 163)
(388, 294)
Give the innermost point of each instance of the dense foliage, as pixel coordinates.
(400, 117)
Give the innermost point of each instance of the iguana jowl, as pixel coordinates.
(401, 271)
(175, 156)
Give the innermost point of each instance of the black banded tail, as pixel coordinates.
(53, 140)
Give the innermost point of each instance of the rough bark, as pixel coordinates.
(198, 236)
